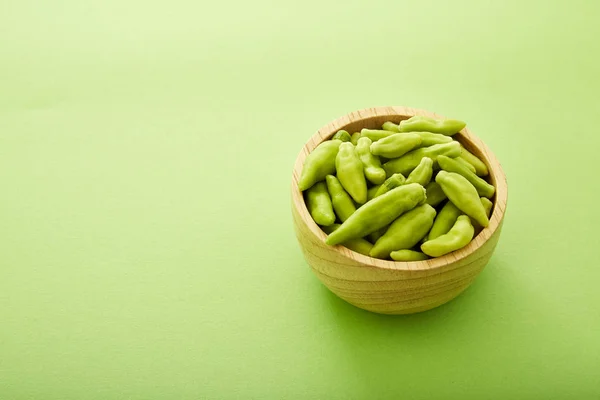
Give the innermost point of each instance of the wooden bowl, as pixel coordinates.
(392, 287)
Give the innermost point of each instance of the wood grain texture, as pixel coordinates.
(393, 287)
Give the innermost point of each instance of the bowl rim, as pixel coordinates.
(471, 142)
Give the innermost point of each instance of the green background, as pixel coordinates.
(146, 241)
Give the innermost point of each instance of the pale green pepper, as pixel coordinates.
(372, 166)
(396, 145)
(480, 168)
(319, 204)
(408, 255)
(341, 201)
(390, 183)
(390, 126)
(422, 173)
(463, 194)
(342, 135)
(435, 194)
(375, 134)
(458, 237)
(405, 231)
(420, 123)
(409, 161)
(444, 221)
(350, 172)
(451, 165)
(319, 163)
(359, 245)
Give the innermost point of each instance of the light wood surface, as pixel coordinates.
(393, 287)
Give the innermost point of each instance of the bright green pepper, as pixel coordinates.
(444, 221)
(483, 188)
(319, 163)
(372, 166)
(390, 126)
(422, 173)
(354, 138)
(429, 138)
(342, 202)
(463, 194)
(375, 134)
(465, 164)
(487, 206)
(458, 237)
(372, 191)
(319, 204)
(390, 183)
(342, 135)
(359, 245)
(396, 145)
(435, 194)
(405, 231)
(480, 168)
(408, 255)
(378, 213)
(420, 123)
(374, 236)
(409, 161)
(350, 172)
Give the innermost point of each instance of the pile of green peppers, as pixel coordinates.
(406, 192)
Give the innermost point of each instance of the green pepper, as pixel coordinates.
(374, 236)
(372, 166)
(487, 206)
(319, 163)
(420, 123)
(405, 231)
(342, 203)
(378, 213)
(458, 237)
(396, 145)
(483, 188)
(350, 172)
(463, 194)
(444, 221)
(408, 255)
(390, 126)
(429, 138)
(465, 164)
(435, 194)
(410, 160)
(319, 204)
(359, 245)
(354, 138)
(375, 134)
(422, 173)
(342, 135)
(480, 168)
(390, 183)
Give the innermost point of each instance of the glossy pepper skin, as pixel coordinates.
(390, 126)
(392, 182)
(483, 188)
(410, 160)
(378, 213)
(408, 255)
(420, 123)
(464, 196)
(429, 138)
(342, 202)
(422, 173)
(342, 135)
(372, 165)
(487, 206)
(350, 172)
(359, 245)
(435, 194)
(465, 164)
(375, 134)
(354, 138)
(480, 167)
(319, 204)
(444, 221)
(405, 231)
(396, 145)
(458, 237)
(319, 163)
